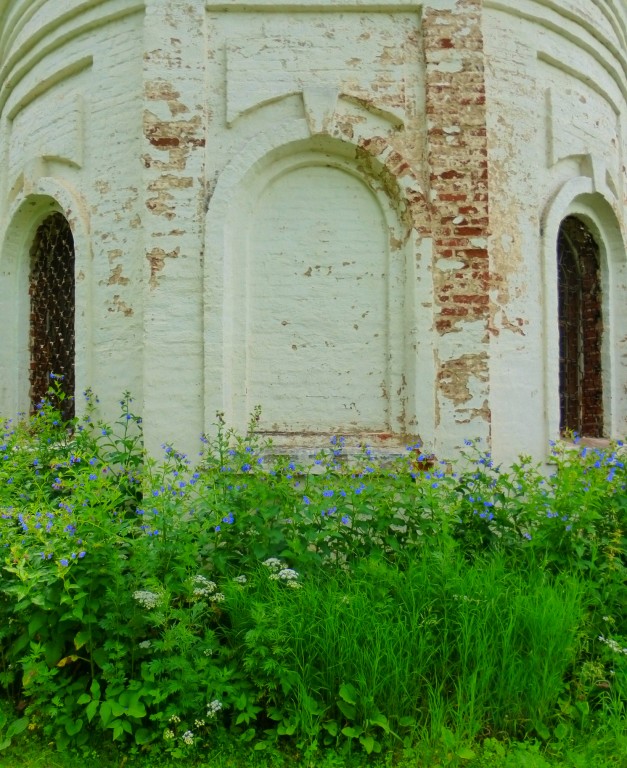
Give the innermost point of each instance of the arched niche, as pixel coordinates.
(312, 295)
(580, 326)
(52, 291)
(577, 202)
(29, 212)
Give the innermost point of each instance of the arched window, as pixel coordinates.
(580, 329)
(52, 310)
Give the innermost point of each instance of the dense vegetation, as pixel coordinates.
(354, 607)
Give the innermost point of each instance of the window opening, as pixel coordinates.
(580, 330)
(52, 310)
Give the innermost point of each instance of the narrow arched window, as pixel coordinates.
(580, 330)
(52, 310)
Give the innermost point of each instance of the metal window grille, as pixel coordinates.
(52, 310)
(580, 330)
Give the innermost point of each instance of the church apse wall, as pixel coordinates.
(347, 214)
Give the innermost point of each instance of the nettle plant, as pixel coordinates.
(341, 602)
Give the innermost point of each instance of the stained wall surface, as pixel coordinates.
(556, 88)
(346, 213)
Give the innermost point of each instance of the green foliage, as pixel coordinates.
(345, 603)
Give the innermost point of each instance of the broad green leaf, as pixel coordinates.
(348, 710)
(465, 753)
(84, 698)
(105, 712)
(136, 709)
(91, 709)
(351, 733)
(73, 728)
(17, 727)
(368, 743)
(118, 709)
(81, 638)
(311, 706)
(380, 720)
(143, 736)
(54, 651)
(348, 692)
(36, 623)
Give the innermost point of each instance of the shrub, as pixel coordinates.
(355, 603)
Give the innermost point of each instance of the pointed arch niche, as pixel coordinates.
(312, 296)
(42, 303)
(585, 314)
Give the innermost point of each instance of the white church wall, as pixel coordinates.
(70, 91)
(556, 100)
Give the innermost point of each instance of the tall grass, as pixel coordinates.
(433, 641)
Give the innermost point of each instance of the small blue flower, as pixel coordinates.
(82, 553)
(245, 467)
(64, 561)
(327, 494)
(306, 500)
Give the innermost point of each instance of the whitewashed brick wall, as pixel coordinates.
(345, 213)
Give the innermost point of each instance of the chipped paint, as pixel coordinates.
(156, 259)
(120, 306)
(116, 277)
(457, 377)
